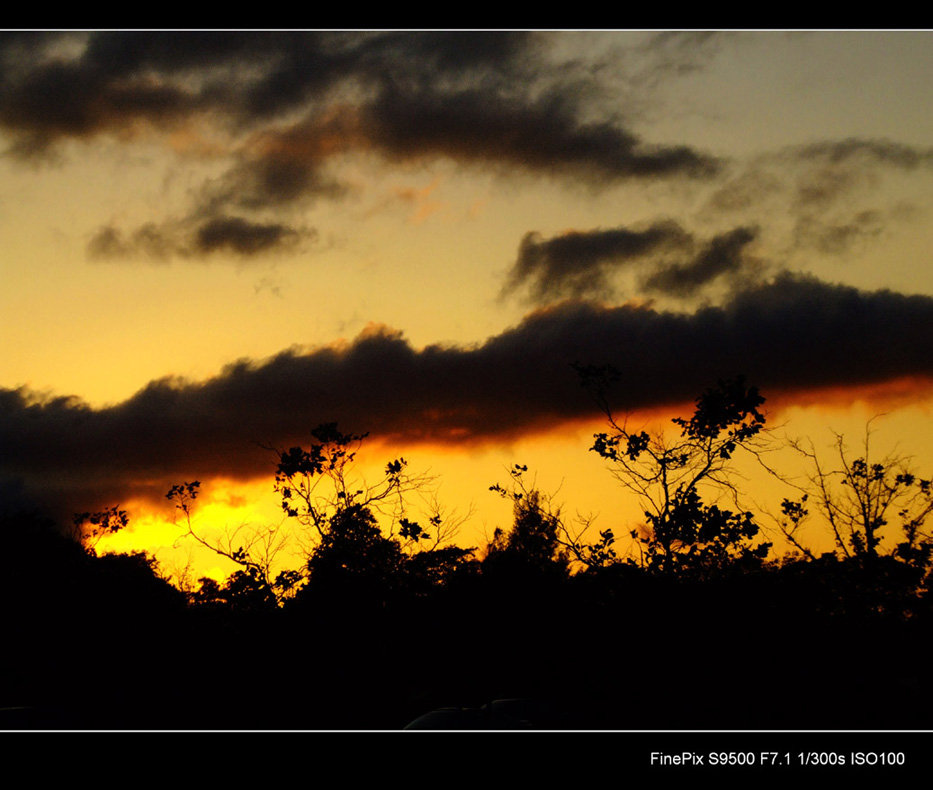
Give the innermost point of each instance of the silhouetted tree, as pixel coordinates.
(321, 491)
(534, 540)
(253, 548)
(876, 511)
(355, 560)
(88, 528)
(341, 536)
(319, 482)
(683, 533)
(873, 507)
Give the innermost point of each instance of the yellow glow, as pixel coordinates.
(559, 463)
(225, 514)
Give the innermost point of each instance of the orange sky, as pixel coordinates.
(214, 242)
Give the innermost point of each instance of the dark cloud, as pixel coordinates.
(275, 179)
(283, 167)
(217, 70)
(834, 175)
(724, 256)
(540, 136)
(239, 236)
(670, 261)
(520, 381)
(282, 107)
(750, 188)
(490, 97)
(454, 52)
(580, 263)
(182, 52)
(819, 189)
(244, 237)
(58, 100)
(833, 181)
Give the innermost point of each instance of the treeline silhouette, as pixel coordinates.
(699, 626)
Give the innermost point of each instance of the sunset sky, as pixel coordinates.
(214, 242)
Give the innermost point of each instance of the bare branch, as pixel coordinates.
(861, 496)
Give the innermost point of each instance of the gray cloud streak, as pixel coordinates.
(241, 237)
(669, 261)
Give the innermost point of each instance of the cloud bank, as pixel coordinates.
(792, 334)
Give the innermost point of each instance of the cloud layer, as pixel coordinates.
(282, 107)
(791, 334)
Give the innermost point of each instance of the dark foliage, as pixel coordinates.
(684, 534)
(383, 620)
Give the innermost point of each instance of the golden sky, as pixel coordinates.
(217, 241)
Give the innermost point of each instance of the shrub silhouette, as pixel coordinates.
(533, 543)
(354, 561)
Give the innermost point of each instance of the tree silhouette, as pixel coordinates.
(318, 483)
(876, 511)
(534, 540)
(378, 578)
(88, 528)
(873, 507)
(355, 562)
(446, 627)
(253, 548)
(670, 477)
(344, 546)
